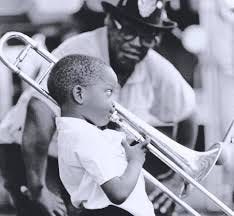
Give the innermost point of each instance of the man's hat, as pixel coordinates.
(149, 13)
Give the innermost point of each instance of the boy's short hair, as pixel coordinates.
(70, 71)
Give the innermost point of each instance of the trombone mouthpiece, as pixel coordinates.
(114, 117)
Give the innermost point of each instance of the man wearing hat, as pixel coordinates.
(150, 87)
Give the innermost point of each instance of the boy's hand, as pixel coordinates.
(136, 152)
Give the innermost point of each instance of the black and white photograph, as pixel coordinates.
(117, 108)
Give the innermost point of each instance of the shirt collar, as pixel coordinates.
(139, 73)
(65, 123)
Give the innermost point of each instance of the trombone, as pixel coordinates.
(193, 166)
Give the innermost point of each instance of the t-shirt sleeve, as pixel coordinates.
(174, 99)
(97, 160)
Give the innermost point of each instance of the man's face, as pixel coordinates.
(128, 43)
(99, 98)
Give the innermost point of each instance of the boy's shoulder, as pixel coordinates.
(78, 129)
(71, 123)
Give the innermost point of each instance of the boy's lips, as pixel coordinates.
(112, 111)
(110, 114)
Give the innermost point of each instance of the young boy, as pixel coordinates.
(101, 172)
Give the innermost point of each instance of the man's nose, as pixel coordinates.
(157, 40)
(136, 41)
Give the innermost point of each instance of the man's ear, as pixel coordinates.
(78, 94)
(107, 19)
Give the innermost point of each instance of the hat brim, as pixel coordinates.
(166, 25)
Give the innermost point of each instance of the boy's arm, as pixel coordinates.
(118, 189)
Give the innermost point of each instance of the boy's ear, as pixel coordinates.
(78, 94)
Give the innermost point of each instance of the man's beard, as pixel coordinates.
(123, 71)
(127, 64)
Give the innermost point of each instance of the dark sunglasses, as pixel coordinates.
(128, 34)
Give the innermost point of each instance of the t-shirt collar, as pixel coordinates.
(64, 123)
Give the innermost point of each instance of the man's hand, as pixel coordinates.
(226, 160)
(161, 202)
(48, 202)
(38, 131)
(226, 156)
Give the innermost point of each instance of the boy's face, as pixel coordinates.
(98, 100)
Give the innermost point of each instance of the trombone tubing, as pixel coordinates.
(171, 164)
(50, 58)
(33, 45)
(169, 193)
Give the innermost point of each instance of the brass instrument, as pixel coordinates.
(193, 166)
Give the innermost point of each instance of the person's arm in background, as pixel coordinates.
(38, 131)
(177, 104)
(187, 131)
(186, 136)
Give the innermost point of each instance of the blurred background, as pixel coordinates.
(201, 48)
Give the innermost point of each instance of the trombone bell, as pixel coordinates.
(188, 163)
(196, 164)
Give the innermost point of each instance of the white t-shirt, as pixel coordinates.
(89, 157)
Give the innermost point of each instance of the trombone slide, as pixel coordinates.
(171, 157)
